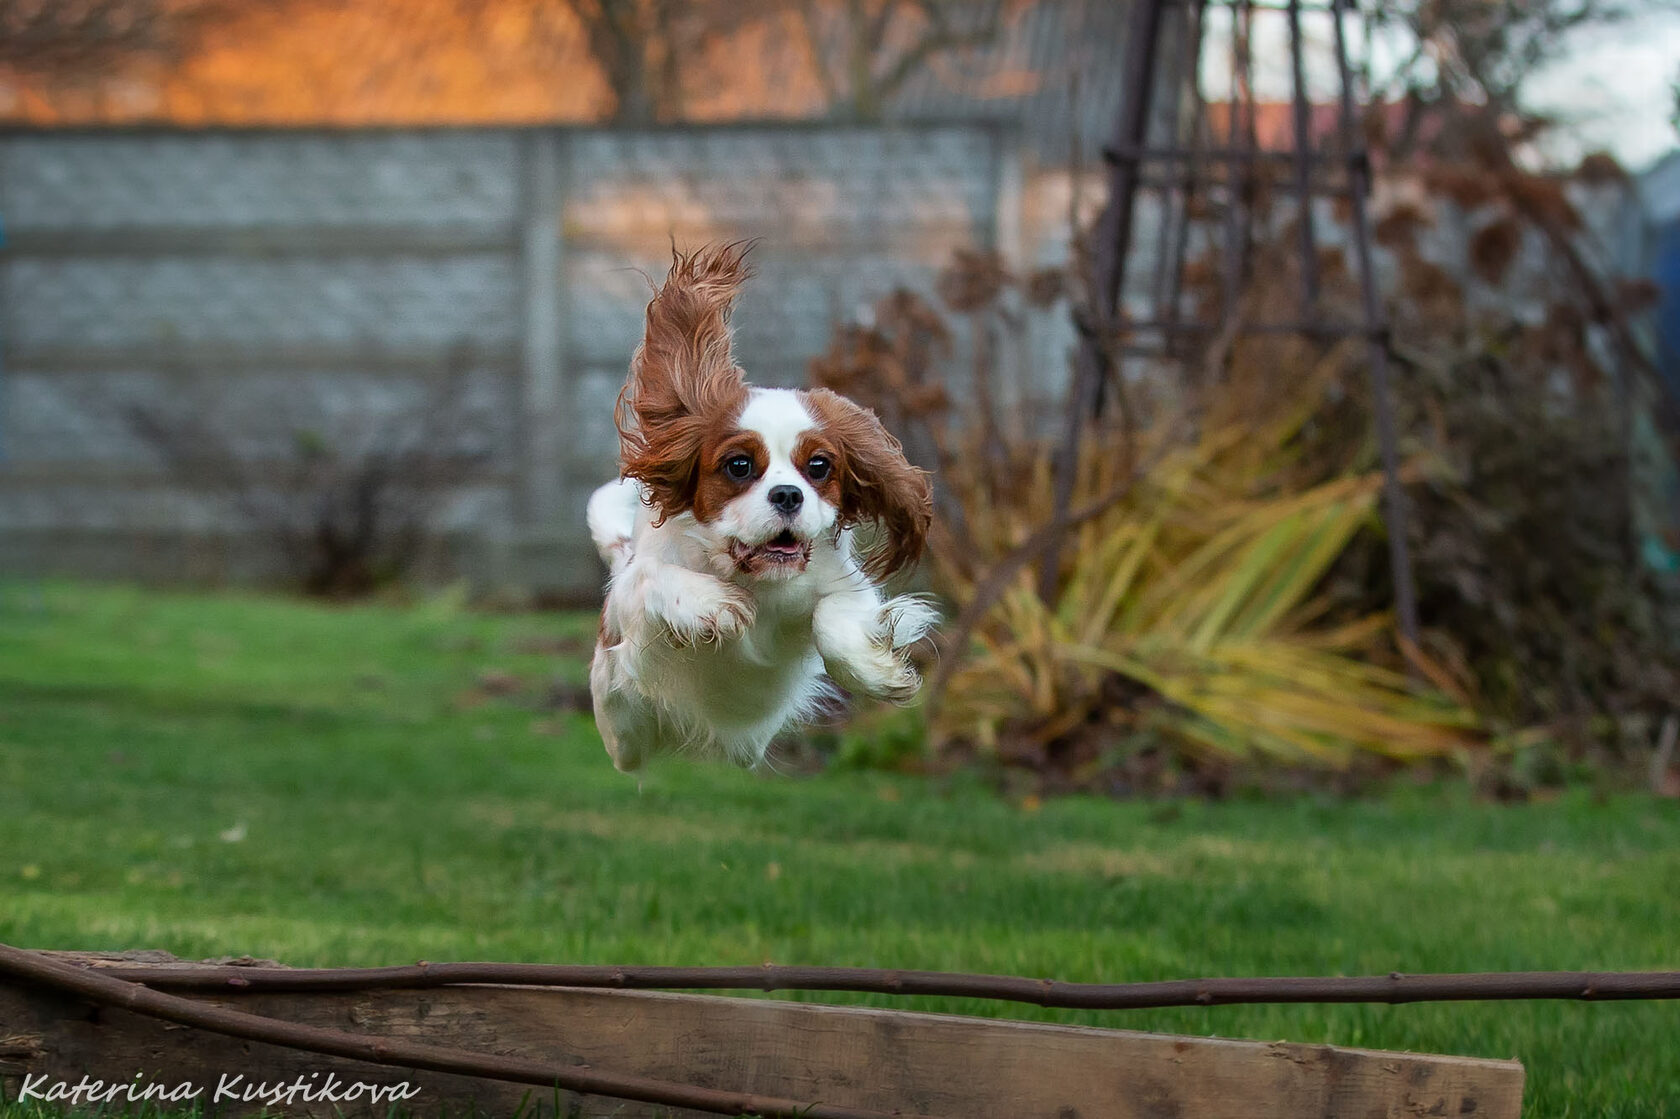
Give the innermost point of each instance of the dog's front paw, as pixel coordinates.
(708, 612)
(729, 619)
(901, 687)
(888, 674)
(906, 619)
(865, 643)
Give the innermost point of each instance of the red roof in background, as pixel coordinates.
(1274, 123)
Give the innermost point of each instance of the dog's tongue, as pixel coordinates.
(784, 543)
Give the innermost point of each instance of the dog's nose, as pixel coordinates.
(787, 499)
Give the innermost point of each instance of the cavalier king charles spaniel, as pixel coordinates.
(740, 590)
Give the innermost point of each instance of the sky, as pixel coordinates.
(1615, 88)
(1611, 89)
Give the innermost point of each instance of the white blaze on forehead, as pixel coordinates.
(779, 418)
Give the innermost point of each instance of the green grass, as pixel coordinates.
(219, 775)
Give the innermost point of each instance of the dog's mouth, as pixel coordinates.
(782, 551)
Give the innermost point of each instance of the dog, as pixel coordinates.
(741, 591)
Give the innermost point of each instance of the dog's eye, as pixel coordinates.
(818, 468)
(739, 467)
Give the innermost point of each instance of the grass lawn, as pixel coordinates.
(219, 775)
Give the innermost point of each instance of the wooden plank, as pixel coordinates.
(920, 1064)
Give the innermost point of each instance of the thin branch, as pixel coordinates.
(1395, 987)
(940, 38)
(875, 32)
(809, 18)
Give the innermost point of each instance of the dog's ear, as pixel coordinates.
(877, 483)
(683, 382)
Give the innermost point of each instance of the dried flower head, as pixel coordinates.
(973, 280)
(1637, 294)
(1601, 169)
(1467, 187)
(1544, 199)
(1398, 228)
(1494, 246)
(1045, 287)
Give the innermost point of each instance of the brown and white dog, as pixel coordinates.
(738, 591)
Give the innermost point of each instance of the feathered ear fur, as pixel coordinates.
(877, 483)
(683, 379)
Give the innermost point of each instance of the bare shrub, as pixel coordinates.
(349, 506)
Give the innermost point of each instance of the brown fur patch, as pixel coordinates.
(876, 482)
(714, 487)
(684, 386)
(814, 443)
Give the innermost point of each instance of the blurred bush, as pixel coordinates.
(1525, 526)
(1221, 606)
(347, 508)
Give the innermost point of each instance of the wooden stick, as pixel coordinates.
(1395, 987)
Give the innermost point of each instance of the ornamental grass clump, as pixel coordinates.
(1190, 617)
(1189, 630)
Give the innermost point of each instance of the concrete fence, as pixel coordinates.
(321, 280)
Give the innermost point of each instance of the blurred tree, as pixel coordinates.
(648, 50)
(72, 36)
(865, 51)
(635, 44)
(1470, 60)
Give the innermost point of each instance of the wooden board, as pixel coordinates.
(921, 1064)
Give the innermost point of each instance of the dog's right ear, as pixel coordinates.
(684, 383)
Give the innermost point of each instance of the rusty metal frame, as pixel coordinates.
(1181, 166)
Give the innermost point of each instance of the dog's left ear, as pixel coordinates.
(877, 483)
